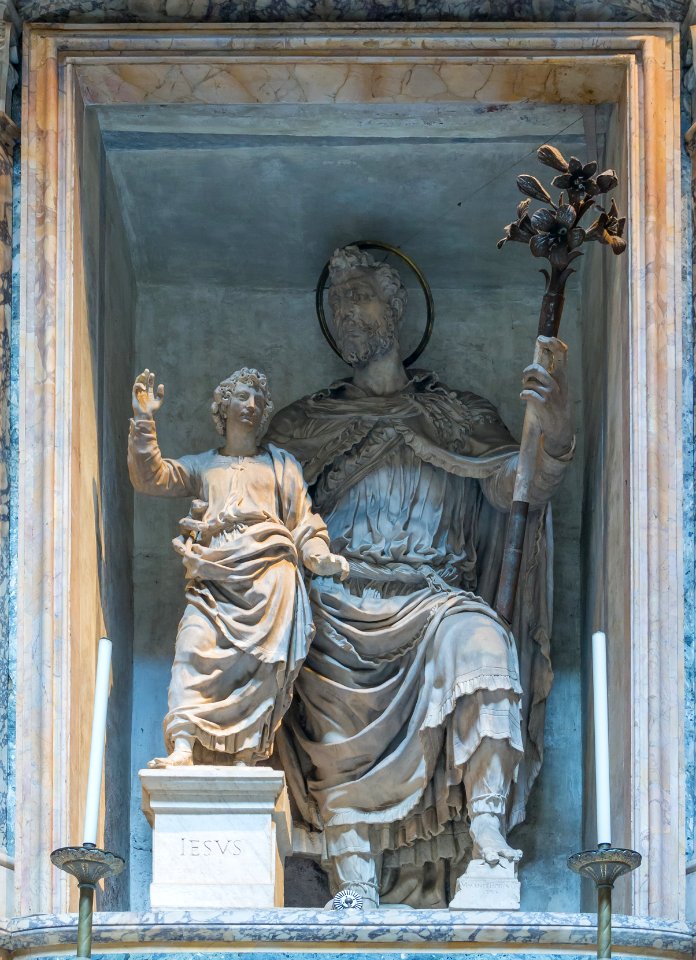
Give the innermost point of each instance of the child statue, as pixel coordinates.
(247, 625)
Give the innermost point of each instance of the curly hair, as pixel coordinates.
(351, 260)
(223, 394)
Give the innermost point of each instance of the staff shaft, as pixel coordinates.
(546, 356)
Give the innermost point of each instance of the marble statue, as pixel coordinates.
(416, 728)
(247, 624)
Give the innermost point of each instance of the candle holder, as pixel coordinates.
(604, 866)
(88, 864)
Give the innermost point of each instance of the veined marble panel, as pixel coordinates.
(689, 396)
(547, 80)
(338, 953)
(375, 955)
(275, 10)
(539, 932)
(689, 409)
(11, 622)
(8, 512)
(8, 454)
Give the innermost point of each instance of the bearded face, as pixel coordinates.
(364, 322)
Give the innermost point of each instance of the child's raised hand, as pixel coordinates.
(144, 399)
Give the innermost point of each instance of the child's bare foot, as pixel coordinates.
(178, 758)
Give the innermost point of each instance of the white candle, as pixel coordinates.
(601, 737)
(96, 753)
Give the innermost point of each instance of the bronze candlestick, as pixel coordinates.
(88, 864)
(604, 866)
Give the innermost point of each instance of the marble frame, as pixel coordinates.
(68, 67)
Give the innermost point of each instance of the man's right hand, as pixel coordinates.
(327, 564)
(146, 401)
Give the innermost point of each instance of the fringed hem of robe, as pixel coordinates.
(460, 434)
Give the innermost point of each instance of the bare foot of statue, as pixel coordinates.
(178, 758)
(489, 843)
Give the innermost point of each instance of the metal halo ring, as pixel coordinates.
(420, 276)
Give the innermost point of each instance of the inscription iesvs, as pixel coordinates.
(207, 848)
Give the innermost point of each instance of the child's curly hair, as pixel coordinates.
(223, 394)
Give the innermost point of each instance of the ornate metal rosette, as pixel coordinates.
(348, 899)
(412, 265)
(88, 864)
(604, 865)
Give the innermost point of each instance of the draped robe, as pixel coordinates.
(414, 488)
(247, 624)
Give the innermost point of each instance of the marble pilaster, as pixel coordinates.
(689, 491)
(9, 135)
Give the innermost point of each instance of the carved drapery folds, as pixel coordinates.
(636, 68)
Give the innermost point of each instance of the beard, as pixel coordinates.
(357, 350)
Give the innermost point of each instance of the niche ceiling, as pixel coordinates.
(258, 196)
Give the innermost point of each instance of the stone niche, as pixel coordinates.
(228, 216)
(182, 189)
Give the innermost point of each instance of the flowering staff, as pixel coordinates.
(553, 232)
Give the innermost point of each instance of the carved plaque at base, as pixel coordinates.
(220, 835)
(486, 887)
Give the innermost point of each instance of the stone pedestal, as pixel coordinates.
(483, 887)
(220, 835)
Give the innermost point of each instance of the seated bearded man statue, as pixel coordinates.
(410, 745)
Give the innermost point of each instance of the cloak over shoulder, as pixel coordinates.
(462, 434)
